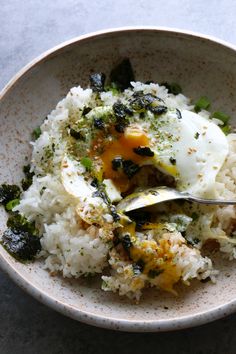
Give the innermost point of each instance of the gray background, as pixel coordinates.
(27, 28)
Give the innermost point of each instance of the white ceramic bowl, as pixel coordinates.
(202, 66)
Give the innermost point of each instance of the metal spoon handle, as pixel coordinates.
(161, 194)
(209, 201)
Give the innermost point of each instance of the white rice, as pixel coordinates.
(71, 249)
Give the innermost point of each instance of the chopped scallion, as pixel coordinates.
(202, 103)
(86, 162)
(36, 133)
(11, 204)
(226, 129)
(221, 116)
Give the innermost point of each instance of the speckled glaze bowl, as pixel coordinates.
(202, 66)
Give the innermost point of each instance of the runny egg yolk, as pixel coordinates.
(156, 257)
(123, 146)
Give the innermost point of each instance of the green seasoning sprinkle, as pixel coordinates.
(86, 162)
(36, 133)
(11, 204)
(221, 116)
(202, 103)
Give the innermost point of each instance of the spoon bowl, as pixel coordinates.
(162, 194)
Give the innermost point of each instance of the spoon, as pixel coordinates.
(161, 194)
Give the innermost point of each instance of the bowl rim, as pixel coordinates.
(84, 315)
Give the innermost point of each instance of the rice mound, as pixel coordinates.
(75, 248)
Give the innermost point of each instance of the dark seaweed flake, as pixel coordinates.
(97, 81)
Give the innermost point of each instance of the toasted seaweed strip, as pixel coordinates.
(130, 168)
(21, 244)
(21, 239)
(143, 151)
(122, 75)
(9, 192)
(97, 82)
(27, 181)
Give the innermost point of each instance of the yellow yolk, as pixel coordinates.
(171, 170)
(122, 146)
(152, 254)
(157, 257)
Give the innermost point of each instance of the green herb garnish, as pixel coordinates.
(87, 163)
(202, 103)
(17, 222)
(226, 129)
(11, 204)
(221, 116)
(36, 133)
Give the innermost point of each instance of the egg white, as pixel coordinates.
(196, 146)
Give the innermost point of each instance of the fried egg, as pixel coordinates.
(195, 146)
(184, 144)
(72, 176)
(76, 185)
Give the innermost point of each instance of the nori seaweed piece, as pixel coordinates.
(130, 168)
(117, 163)
(158, 109)
(98, 123)
(143, 151)
(172, 88)
(76, 134)
(126, 242)
(97, 82)
(21, 244)
(122, 74)
(9, 192)
(138, 267)
(28, 180)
